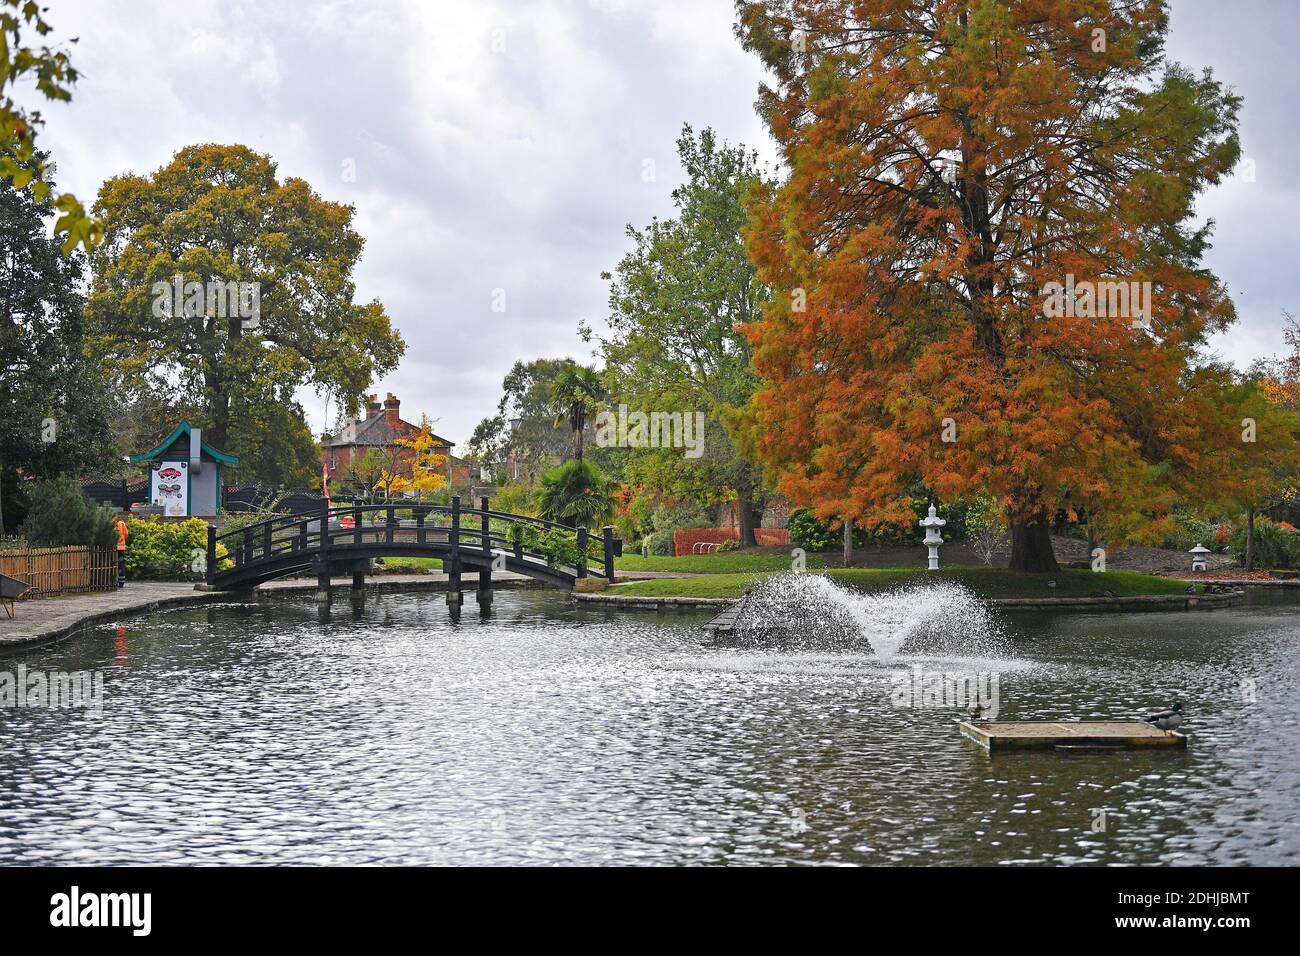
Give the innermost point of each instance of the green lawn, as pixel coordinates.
(728, 562)
(986, 582)
(413, 565)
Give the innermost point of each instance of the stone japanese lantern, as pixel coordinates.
(932, 523)
(1198, 554)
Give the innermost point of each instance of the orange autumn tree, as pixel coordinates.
(948, 161)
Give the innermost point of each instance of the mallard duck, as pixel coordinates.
(1168, 719)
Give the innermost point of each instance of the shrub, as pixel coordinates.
(515, 499)
(658, 543)
(633, 519)
(669, 517)
(1189, 530)
(560, 549)
(810, 532)
(986, 526)
(527, 536)
(164, 550)
(1275, 546)
(575, 493)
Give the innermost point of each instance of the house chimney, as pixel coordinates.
(391, 405)
(372, 406)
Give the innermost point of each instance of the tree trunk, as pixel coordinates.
(218, 398)
(1250, 539)
(745, 516)
(1031, 545)
(217, 388)
(848, 541)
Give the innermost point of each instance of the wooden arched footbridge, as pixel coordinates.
(348, 537)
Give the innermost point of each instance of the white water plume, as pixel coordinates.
(811, 610)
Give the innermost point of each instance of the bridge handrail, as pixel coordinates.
(282, 521)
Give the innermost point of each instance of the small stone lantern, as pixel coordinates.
(1198, 554)
(932, 523)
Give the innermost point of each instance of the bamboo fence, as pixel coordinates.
(65, 570)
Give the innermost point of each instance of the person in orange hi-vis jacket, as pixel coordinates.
(123, 532)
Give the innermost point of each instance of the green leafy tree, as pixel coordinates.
(52, 73)
(676, 303)
(273, 442)
(524, 427)
(1260, 465)
(61, 515)
(54, 404)
(487, 443)
(219, 216)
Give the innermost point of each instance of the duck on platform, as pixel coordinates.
(1168, 719)
(975, 711)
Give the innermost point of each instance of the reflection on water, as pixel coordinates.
(259, 734)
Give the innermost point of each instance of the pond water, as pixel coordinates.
(262, 734)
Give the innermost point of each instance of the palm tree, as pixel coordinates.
(576, 392)
(576, 493)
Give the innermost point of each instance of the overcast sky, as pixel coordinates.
(504, 146)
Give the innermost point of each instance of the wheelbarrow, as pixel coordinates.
(11, 588)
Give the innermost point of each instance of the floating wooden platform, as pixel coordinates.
(1069, 734)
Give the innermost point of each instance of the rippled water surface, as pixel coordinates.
(262, 734)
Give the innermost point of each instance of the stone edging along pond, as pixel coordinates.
(1145, 602)
(144, 606)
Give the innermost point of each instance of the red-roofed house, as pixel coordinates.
(381, 428)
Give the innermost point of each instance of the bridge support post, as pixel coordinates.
(323, 595)
(358, 593)
(608, 531)
(209, 572)
(454, 596)
(452, 564)
(485, 571)
(323, 557)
